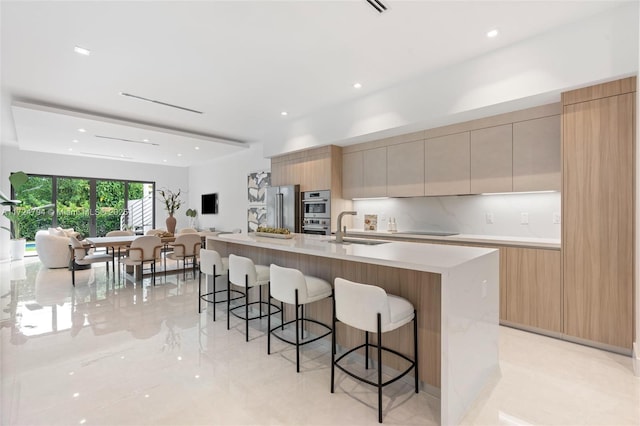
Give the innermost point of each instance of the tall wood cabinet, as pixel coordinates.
(313, 169)
(598, 211)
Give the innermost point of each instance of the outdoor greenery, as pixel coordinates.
(73, 204)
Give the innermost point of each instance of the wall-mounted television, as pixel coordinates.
(209, 203)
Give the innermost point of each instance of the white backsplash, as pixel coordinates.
(468, 214)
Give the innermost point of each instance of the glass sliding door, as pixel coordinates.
(91, 206)
(36, 209)
(140, 206)
(73, 204)
(110, 211)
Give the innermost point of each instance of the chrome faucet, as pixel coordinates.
(340, 233)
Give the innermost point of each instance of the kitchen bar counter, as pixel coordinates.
(454, 290)
(526, 242)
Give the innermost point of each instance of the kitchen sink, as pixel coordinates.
(362, 241)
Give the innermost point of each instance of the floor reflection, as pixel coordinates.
(116, 352)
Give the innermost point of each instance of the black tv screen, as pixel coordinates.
(210, 203)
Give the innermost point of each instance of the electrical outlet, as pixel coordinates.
(556, 218)
(524, 218)
(489, 218)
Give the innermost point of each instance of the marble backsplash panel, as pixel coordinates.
(469, 214)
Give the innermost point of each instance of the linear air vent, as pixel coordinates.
(377, 5)
(117, 157)
(127, 140)
(162, 103)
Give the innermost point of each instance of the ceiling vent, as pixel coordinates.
(377, 5)
(126, 140)
(161, 103)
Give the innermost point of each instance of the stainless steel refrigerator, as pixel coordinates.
(283, 207)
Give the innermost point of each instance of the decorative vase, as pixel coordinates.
(171, 224)
(16, 248)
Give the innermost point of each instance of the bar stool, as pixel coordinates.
(370, 308)
(212, 264)
(244, 273)
(291, 286)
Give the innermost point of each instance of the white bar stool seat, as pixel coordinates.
(244, 273)
(371, 309)
(293, 287)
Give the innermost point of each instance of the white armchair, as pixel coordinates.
(53, 250)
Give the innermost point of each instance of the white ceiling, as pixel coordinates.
(239, 62)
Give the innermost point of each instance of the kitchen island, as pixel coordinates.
(453, 288)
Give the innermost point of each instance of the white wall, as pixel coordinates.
(13, 160)
(467, 214)
(228, 177)
(532, 72)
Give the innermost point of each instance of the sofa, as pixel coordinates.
(52, 246)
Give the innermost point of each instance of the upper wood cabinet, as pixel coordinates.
(364, 173)
(405, 169)
(492, 159)
(536, 155)
(447, 165)
(374, 172)
(352, 174)
(598, 212)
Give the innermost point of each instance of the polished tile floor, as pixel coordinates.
(133, 354)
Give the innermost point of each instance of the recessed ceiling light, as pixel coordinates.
(81, 130)
(164, 161)
(179, 155)
(82, 51)
(283, 113)
(492, 33)
(357, 85)
(145, 140)
(70, 149)
(76, 141)
(197, 148)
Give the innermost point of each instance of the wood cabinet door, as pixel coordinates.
(534, 288)
(374, 182)
(536, 155)
(352, 174)
(405, 169)
(448, 164)
(492, 159)
(597, 219)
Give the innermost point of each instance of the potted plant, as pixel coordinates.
(191, 214)
(18, 244)
(172, 203)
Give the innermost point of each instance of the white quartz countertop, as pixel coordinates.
(545, 243)
(400, 254)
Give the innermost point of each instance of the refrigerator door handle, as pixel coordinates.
(279, 209)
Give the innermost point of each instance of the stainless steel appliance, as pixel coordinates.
(316, 208)
(283, 207)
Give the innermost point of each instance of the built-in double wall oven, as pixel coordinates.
(316, 216)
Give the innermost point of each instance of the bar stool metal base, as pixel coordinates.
(299, 322)
(379, 384)
(210, 297)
